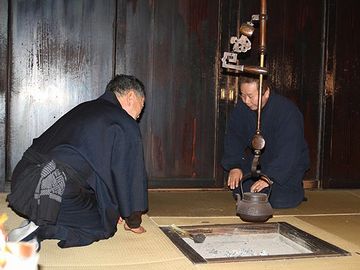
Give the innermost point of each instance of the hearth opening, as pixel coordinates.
(249, 241)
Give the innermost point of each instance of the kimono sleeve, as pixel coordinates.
(236, 143)
(290, 151)
(128, 172)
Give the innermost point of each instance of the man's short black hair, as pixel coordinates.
(123, 83)
(250, 78)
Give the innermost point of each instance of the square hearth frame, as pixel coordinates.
(318, 247)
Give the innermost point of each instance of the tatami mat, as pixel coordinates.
(330, 201)
(126, 250)
(191, 203)
(332, 216)
(345, 226)
(150, 250)
(221, 203)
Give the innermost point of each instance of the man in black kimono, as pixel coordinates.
(86, 172)
(285, 157)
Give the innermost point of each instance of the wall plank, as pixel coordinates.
(3, 87)
(62, 55)
(295, 61)
(342, 144)
(172, 47)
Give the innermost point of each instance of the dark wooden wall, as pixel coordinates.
(3, 87)
(57, 53)
(61, 54)
(341, 141)
(172, 46)
(295, 63)
(64, 52)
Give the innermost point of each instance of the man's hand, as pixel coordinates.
(138, 230)
(234, 178)
(259, 185)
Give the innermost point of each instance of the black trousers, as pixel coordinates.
(78, 222)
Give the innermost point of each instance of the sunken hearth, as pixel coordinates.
(250, 241)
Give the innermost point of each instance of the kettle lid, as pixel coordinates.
(255, 197)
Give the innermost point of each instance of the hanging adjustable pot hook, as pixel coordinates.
(230, 61)
(252, 206)
(258, 141)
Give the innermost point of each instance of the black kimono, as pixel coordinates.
(82, 174)
(285, 157)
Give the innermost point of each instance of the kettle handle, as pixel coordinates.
(249, 176)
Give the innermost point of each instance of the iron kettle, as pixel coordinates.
(252, 206)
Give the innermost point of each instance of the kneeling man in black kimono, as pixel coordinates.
(285, 157)
(86, 172)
